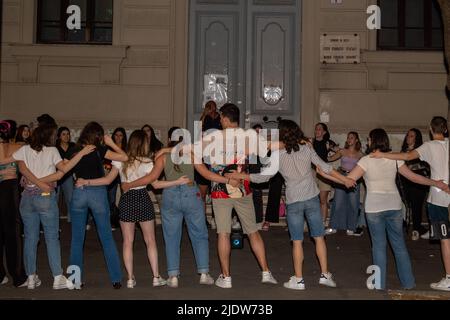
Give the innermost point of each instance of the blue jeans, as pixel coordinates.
(37, 209)
(184, 202)
(95, 199)
(345, 209)
(296, 213)
(67, 189)
(390, 223)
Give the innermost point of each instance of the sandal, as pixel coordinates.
(265, 226)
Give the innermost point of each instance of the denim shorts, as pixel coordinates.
(437, 213)
(296, 213)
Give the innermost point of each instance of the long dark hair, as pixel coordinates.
(123, 146)
(93, 134)
(155, 144)
(418, 141)
(379, 140)
(43, 137)
(291, 135)
(19, 135)
(7, 130)
(326, 136)
(172, 143)
(58, 135)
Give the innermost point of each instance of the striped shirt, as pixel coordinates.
(296, 171)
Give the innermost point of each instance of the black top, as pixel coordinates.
(65, 155)
(210, 123)
(321, 148)
(91, 165)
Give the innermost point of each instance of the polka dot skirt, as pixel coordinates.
(136, 206)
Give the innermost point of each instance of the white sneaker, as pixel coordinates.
(159, 281)
(213, 224)
(61, 282)
(4, 281)
(295, 283)
(267, 277)
(425, 236)
(206, 279)
(131, 283)
(223, 282)
(33, 282)
(415, 235)
(326, 279)
(350, 233)
(172, 282)
(88, 227)
(329, 231)
(443, 285)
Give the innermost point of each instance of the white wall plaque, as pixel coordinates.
(339, 48)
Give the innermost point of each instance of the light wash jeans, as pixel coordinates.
(37, 209)
(345, 209)
(184, 202)
(390, 223)
(95, 199)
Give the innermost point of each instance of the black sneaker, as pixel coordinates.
(117, 285)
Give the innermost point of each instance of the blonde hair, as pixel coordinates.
(137, 150)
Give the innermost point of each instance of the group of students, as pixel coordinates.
(42, 165)
(346, 212)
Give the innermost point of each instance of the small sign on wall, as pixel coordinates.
(339, 48)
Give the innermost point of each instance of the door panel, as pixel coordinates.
(256, 44)
(273, 64)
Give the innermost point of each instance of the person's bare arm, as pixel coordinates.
(335, 156)
(44, 186)
(161, 184)
(149, 178)
(104, 181)
(239, 176)
(117, 154)
(416, 178)
(8, 173)
(356, 173)
(207, 174)
(66, 166)
(405, 156)
(337, 177)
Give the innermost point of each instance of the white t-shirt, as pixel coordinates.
(382, 192)
(42, 163)
(138, 170)
(436, 153)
